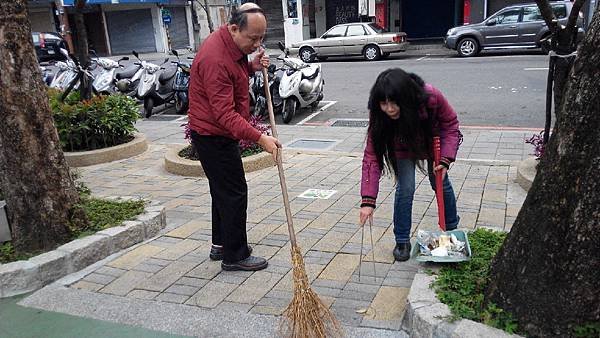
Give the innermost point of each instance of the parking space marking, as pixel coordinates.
(311, 116)
(541, 68)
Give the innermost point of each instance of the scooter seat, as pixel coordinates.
(167, 75)
(127, 72)
(306, 74)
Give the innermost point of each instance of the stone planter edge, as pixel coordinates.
(177, 165)
(25, 276)
(126, 150)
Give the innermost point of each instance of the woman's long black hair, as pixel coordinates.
(407, 90)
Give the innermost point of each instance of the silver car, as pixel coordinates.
(358, 38)
(516, 26)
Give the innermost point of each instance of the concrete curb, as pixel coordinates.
(425, 316)
(526, 171)
(26, 276)
(86, 158)
(184, 167)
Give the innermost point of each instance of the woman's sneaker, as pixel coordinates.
(402, 251)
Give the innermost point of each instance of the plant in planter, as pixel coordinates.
(103, 121)
(247, 148)
(537, 141)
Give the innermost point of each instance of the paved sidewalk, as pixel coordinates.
(169, 284)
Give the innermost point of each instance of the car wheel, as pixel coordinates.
(371, 53)
(307, 54)
(468, 47)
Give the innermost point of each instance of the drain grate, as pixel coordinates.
(164, 117)
(350, 123)
(311, 144)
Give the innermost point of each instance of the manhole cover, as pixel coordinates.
(311, 144)
(350, 123)
(164, 117)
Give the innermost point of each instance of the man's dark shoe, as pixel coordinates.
(251, 263)
(216, 252)
(402, 251)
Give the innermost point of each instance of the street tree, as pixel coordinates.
(34, 177)
(547, 271)
(206, 7)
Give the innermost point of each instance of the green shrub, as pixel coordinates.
(103, 121)
(461, 286)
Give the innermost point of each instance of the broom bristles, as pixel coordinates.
(307, 316)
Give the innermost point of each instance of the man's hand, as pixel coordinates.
(260, 60)
(269, 144)
(442, 169)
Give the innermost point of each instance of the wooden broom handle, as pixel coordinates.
(284, 192)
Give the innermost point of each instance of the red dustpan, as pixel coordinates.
(439, 196)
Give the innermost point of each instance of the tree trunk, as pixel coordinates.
(205, 6)
(547, 273)
(82, 51)
(35, 178)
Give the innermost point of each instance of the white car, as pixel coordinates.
(358, 38)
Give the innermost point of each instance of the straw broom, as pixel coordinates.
(306, 316)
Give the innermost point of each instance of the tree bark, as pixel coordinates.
(82, 51)
(547, 273)
(34, 176)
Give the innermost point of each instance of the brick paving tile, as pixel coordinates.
(143, 294)
(172, 298)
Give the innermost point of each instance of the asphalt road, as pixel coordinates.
(492, 90)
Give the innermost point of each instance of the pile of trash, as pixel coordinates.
(440, 244)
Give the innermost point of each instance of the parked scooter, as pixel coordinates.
(105, 81)
(67, 71)
(181, 84)
(128, 79)
(257, 91)
(47, 74)
(301, 86)
(155, 87)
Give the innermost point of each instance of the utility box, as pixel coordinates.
(4, 229)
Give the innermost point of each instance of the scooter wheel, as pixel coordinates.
(289, 109)
(181, 105)
(148, 106)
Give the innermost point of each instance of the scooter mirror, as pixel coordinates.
(166, 60)
(64, 52)
(174, 52)
(135, 54)
(281, 46)
(124, 58)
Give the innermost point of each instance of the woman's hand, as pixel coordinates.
(365, 214)
(442, 169)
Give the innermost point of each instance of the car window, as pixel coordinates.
(508, 16)
(336, 32)
(355, 30)
(532, 14)
(376, 28)
(560, 11)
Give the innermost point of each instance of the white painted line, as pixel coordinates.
(331, 103)
(311, 116)
(421, 58)
(180, 118)
(542, 68)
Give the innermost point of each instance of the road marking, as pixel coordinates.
(424, 57)
(541, 68)
(309, 117)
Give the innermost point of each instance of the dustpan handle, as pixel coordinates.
(439, 183)
(284, 192)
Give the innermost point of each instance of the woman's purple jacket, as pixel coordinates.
(446, 123)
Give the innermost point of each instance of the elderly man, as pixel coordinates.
(218, 115)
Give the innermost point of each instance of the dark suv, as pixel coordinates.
(48, 45)
(516, 26)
